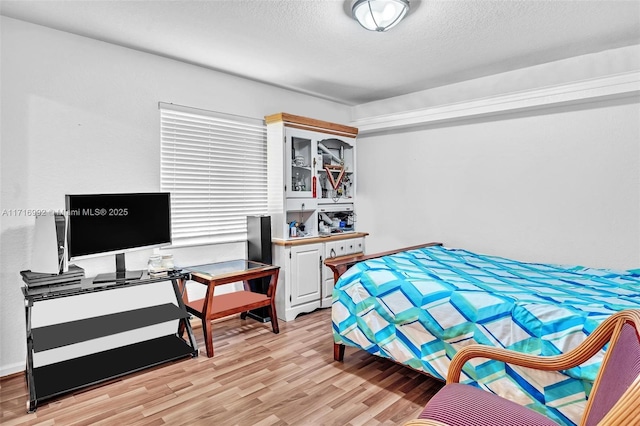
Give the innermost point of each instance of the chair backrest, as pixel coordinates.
(620, 368)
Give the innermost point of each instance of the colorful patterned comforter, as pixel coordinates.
(420, 307)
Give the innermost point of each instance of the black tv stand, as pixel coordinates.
(120, 275)
(114, 277)
(49, 381)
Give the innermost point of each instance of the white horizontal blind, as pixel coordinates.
(215, 166)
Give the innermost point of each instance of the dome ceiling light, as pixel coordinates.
(379, 15)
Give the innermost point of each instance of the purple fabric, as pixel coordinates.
(464, 405)
(621, 370)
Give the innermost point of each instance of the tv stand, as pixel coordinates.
(121, 273)
(114, 277)
(52, 380)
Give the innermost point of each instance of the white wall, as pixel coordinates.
(81, 116)
(560, 185)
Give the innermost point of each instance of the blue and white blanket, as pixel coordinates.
(420, 307)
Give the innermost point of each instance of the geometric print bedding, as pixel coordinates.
(420, 307)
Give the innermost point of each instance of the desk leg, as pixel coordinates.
(271, 292)
(208, 336)
(247, 287)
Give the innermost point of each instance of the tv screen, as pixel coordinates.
(116, 223)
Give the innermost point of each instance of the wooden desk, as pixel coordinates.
(218, 306)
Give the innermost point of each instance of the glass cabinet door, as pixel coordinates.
(299, 166)
(335, 169)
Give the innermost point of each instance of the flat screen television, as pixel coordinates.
(106, 224)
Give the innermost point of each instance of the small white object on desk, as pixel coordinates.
(160, 265)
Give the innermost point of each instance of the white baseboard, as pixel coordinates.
(7, 370)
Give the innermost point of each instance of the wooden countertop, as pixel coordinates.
(323, 239)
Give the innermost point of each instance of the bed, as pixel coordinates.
(420, 305)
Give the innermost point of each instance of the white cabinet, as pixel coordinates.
(299, 281)
(311, 177)
(305, 283)
(311, 174)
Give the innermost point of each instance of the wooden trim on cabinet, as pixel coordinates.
(313, 240)
(305, 123)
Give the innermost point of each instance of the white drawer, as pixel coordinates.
(301, 204)
(341, 247)
(330, 250)
(354, 245)
(335, 207)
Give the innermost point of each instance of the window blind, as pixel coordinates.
(215, 166)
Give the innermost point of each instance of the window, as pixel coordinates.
(215, 166)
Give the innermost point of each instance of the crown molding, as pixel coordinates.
(619, 85)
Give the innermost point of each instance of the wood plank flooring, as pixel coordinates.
(255, 378)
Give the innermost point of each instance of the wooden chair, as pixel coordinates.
(614, 399)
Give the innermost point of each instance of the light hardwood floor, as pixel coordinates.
(255, 378)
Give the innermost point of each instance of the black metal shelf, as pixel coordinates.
(73, 374)
(87, 285)
(49, 381)
(68, 333)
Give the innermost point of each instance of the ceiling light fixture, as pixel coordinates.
(379, 15)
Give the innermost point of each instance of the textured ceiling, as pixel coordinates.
(313, 46)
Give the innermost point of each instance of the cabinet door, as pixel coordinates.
(306, 264)
(336, 169)
(300, 147)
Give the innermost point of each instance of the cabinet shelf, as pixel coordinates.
(68, 333)
(73, 374)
